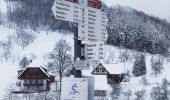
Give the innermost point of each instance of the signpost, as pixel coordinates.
(94, 51)
(82, 64)
(65, 10)
(91, 24)
(92, 31)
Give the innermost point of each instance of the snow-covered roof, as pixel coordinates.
(114, 68)
(101, 82)
(41, 68)
(87, 72)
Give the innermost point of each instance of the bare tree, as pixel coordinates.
(124, 56)
(160, 92)
(111, 56)
(157, 65)
(140, 95)
(7, 49)
(127, 94)
(24, 38)
(144, 81)
(116, 91)
(24, 62)
(8, 95)
(60, 60)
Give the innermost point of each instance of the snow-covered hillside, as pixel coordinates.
(37, 50)
(45, 42)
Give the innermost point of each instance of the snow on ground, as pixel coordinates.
(44, 43)
(40, 48)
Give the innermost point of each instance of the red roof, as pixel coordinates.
(95, 4)
(74, 1)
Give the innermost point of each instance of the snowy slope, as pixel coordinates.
(39, 49)
(135, 83)
(44, 43)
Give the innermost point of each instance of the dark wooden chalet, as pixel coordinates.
(113, 72)
(34, 79)
(100, 70)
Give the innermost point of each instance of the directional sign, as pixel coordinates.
(74, 89)
(93, 25)
(66, 10)
(82, 65)
(94, 51)
(87, 13)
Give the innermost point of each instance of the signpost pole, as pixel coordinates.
(77, 51)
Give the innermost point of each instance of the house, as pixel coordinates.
(34, 79)
(104, 75)
(114, 72)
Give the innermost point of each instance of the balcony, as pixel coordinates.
(33, 84)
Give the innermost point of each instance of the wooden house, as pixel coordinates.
(114, 72)
(33, 79)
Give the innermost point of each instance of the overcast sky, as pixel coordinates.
(159, 8)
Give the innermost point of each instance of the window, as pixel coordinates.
(30, 81)
(40, 81)
(36, 81)
(25, 81)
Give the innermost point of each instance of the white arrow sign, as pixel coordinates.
(93, 25)
(82, 65)
(65, 10)
(91, 21)
(94, 51)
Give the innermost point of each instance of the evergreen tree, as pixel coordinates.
(160, 92)
(139, 67)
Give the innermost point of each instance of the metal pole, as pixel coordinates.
(78, 46)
